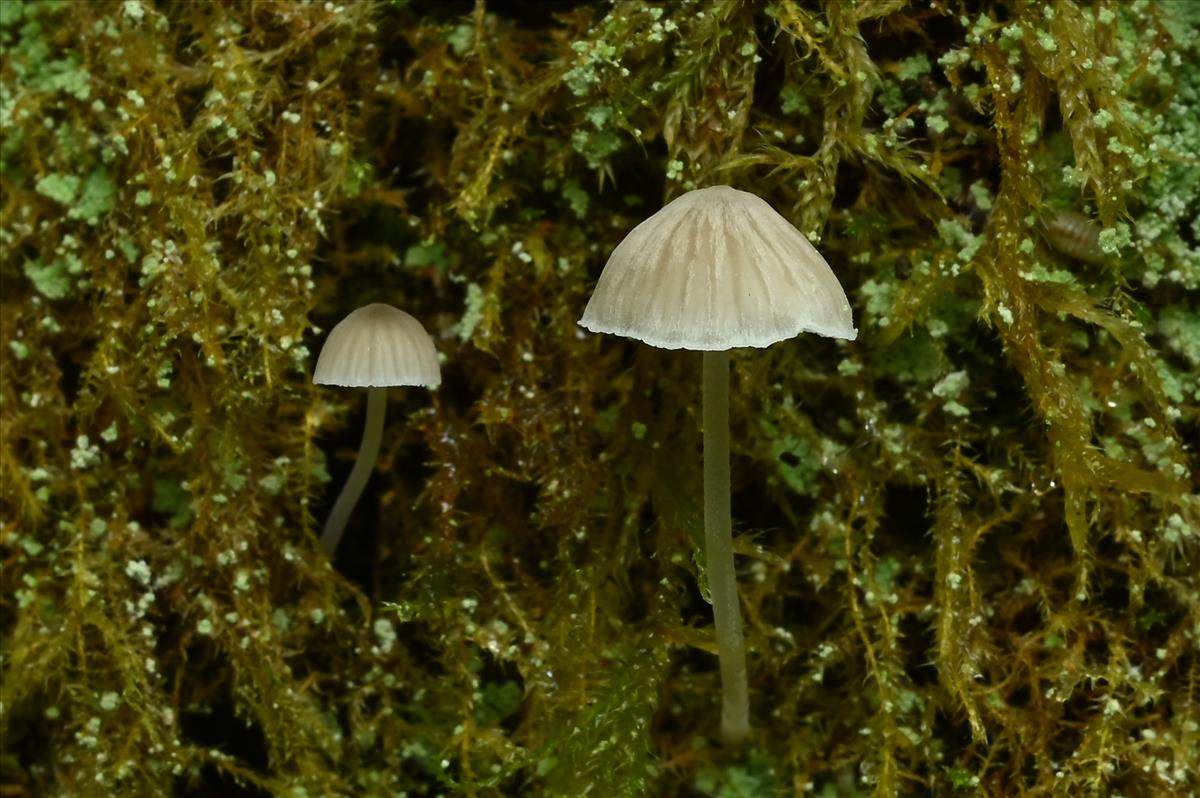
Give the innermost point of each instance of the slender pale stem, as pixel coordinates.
(363, 466)
(718, 547)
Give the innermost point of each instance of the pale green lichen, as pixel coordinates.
(51, 280)
(60, 188)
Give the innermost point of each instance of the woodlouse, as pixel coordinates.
(1076, 236)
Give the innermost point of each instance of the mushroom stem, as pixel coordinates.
(368, 450)
(718, 548)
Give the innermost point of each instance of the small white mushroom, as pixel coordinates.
(374, 347)
(715, 269)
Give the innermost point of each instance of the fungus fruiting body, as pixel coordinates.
(713, 270)
(375, 347)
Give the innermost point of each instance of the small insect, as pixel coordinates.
(1074, 235)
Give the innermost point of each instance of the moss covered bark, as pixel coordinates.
(967, 541)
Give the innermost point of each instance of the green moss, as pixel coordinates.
(11, 13)
(430, 253)
(753, 780)
(966, 540)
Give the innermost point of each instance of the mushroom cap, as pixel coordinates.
(715, 269)
(377, 346)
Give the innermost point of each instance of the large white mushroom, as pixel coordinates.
(375, 347)
(713, 270)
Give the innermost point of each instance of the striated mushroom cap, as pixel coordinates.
(377, 346)
(716, 269)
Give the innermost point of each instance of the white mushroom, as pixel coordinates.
(716, 269)
(374, 347)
